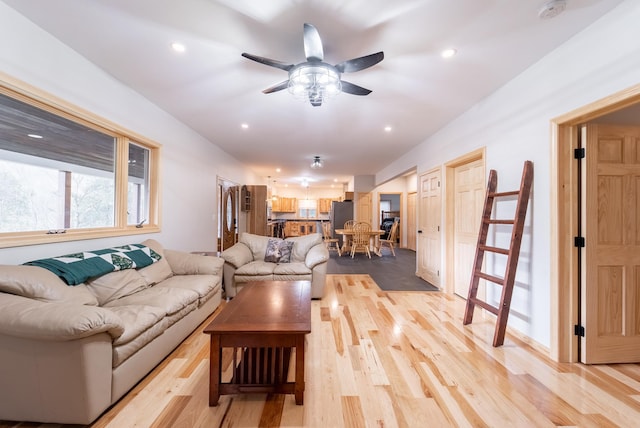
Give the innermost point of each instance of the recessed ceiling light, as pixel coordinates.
(448, 53)
(388, 128)
(335, 180)
(278, 170)
(34, 135)
(245, 126)
(178, 47)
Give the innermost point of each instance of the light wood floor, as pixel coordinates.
(387, 359)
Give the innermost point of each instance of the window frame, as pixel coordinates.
(28, 94)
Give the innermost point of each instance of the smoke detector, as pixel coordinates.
(552, 9)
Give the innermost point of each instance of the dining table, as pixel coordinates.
(373, 239)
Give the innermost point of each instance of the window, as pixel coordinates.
(68, 175)
(307, 208)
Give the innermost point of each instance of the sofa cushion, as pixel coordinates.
(136, 319)
(256, 243)
(256, 268)
(142, 325)
(115, 285)
(158, 271)
(297, 268)
(243, 279)
(205, 285)
(302, 245)
(171, 300)
(295, 277)
(41, 284)
(278, 251)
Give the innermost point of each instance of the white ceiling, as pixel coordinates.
(214, 90)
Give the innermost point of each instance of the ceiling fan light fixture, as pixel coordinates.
(315, 82)
(317, 162)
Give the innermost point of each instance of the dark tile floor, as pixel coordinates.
(390, 273)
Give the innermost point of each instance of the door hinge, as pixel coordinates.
(579, 153)
(438, 228)
(438, 183)
(578, 330)
(579, 242)
(438, 273)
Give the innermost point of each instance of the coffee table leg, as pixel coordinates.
(214, 370)
(299, 387)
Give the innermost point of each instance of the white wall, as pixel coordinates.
(514, 125)
(189, 163)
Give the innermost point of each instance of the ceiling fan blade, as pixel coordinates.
(270, 62)
(357, 64)
(312, 44)
(275, 88)
(352, 89)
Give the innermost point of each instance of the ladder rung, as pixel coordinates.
(491, 278)
(501, 194)
(494, 249)
(494, 221)
(485, 305)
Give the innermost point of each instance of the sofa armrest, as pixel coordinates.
(55, 321)
(183, 263)
(238, 255)
(316, 255)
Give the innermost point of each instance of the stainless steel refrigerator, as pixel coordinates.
(340, 213)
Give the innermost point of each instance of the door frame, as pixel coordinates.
(564, 218)
(449, 215)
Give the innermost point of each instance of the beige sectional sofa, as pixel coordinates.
(245, 262)
(69, 352)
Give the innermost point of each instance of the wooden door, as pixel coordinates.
(611, 266)
(429, 227)
(364, 208)
(469, 191)
(229, 216)
(411, 221)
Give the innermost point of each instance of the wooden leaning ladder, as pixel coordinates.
(512, 253)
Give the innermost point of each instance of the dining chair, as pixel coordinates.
(361, 235)
(390, 241)
(331, 242)
(346, 239)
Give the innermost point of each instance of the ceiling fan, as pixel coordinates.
(315, 79)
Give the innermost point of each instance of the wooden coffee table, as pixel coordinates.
(262, 324)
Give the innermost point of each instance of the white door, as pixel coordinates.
(429, 227)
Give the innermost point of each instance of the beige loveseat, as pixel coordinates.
(245, 262)
(68, 352)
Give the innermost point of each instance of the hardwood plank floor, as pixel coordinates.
(392, 359)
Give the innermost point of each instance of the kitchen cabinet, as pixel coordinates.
(283, 205)
(300, 228)
(324, 205)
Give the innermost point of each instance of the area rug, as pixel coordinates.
(389, 272)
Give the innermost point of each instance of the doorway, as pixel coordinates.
(389, 210)
(465, 191)
(565, 274)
